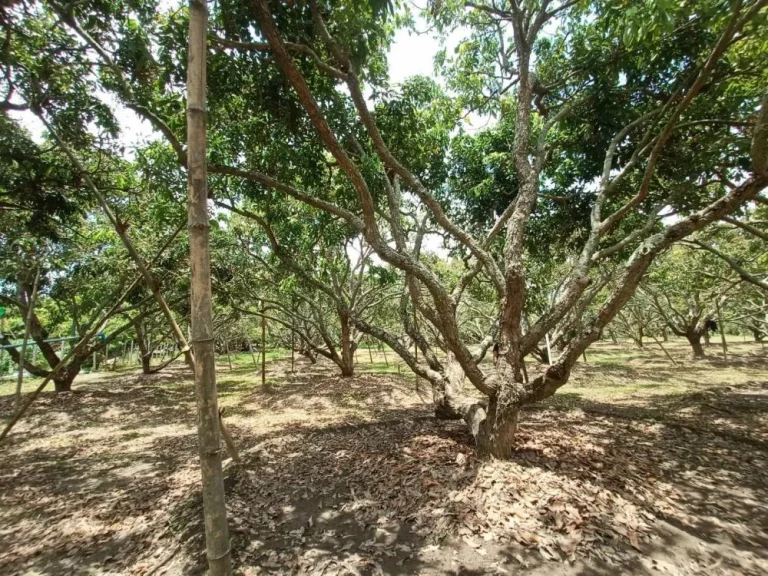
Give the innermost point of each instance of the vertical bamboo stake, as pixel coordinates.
(263, 346)
(209, 438)
(722, 330)
(253, 356)
(293, 323)
(130, 354)
(415, 344)
(383, 350)
(27, 321)
(549, 350)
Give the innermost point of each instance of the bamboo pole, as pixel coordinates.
(664, 350)
(722, 330)
(263, 346)
(208, 419)
(27, 321)
(415, 344)
(384, 351)
(253, 356)
(549, 349)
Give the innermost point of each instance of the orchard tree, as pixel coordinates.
(686, 287)
(307, 275)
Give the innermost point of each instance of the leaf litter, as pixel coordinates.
(387, 491)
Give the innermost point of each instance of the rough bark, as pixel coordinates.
(694, 339)
(62, 382)
(145, 355)
(347, 363)
(208, 430)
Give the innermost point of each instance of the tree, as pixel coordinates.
(685, 287)
(318, 283)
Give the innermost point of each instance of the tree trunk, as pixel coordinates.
(695, 341)
(144, 354)
(757, 334)
(209, 441)
(63, 381)
(347, 364)
(146, 363)
(497, 435)
(706, 337)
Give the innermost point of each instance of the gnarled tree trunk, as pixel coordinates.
(694, 339)
(145, 355)
(347, 363)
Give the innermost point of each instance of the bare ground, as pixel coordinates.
(638, 466)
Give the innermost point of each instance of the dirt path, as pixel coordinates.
(355, 477)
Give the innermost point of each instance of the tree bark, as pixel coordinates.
(209, 441)
(27, 319)
(694, 339)
(347, 363)
(62, 382)
(144, 353)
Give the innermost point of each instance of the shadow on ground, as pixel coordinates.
(354, 476)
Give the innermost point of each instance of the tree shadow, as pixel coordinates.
(107, 480)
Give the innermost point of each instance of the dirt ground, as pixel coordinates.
(638, 466)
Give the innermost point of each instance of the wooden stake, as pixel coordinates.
(383, 350)
(27, 321)
(664, 350)
(549, 350)
(263, 346)
(208, 424)
(231, 448)
(415, 344)
(253, 356)
(722, 330)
